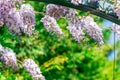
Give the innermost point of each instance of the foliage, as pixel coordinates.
(59, 58)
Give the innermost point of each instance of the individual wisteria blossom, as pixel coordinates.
(76, 2)
(116, 29)
(8, 57)
(14, 22)
(51, 25)
(55, 11)
(28, 17)
(74, 24)
(33, 69)
(92, 29)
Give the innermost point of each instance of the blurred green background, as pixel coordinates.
(60, 58)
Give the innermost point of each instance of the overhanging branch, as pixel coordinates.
(85, 8)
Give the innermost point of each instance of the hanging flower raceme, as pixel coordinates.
(74, 24)
(116, 29)
(55, 11)
(92, 29)
(14, 22)
(51, 25)
(33, 69)
(76, 32)
(8, 57)
(28, 17)
(17, 21)
(72, 16)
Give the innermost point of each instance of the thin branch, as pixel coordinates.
(111, 17)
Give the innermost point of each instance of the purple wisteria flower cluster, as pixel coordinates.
(116, 29)
(92, 29)
(51, 25)
(17, 20)
(33, 69)
(55, 11)
(9, 59)
(76, 25)
(21, 19)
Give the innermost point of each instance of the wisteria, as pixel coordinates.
(92, 29)
(28, 17)
(33, 69)
(23, 20)
(74, 24)
(51, 25)
(72, 16)
(116, 29)
(8, 57)
(13, 21)
(76, 32)
(55, 11)
(17, 21)
(5, 7)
